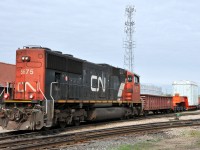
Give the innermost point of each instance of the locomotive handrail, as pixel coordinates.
(52, 96)
(7, 86)
(43, 96)
(2, 92)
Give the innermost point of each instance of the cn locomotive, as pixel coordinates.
(53, 89)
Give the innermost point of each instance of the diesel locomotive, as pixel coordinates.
(53, 89)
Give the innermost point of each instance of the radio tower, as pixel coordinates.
(128, 43)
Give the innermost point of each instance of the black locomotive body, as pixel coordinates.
(81, 80)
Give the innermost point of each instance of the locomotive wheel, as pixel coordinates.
(62, 124)
(138, 111)
(46, 128)
(146, 113)
(76, 122)
(181, 109)
(127, 117)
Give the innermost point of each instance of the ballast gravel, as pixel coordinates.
(175, 138)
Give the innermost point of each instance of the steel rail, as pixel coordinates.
(70, 138)
(27, 134)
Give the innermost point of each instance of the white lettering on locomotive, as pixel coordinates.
(100, 81)
(22, 87)
(27, 71)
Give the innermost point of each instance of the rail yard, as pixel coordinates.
(58, 96)
(55, 90)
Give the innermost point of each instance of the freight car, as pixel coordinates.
(156, 104)
(7, 74)
(52, 88)
(163, 104)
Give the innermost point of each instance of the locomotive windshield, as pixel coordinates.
(136, 79)
(130, 78)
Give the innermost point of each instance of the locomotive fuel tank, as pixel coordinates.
(99, 114)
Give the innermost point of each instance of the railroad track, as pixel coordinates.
(53, 141)
(13, 135)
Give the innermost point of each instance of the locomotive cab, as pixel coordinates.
(132, 88)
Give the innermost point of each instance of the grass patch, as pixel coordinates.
(195, 133)
(145, 145)
(192, 133)
(125, 147)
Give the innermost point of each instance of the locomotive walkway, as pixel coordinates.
(52, 141)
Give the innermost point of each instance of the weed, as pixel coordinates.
(192, 133)
(145, 145)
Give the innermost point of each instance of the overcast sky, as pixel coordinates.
(167, 33)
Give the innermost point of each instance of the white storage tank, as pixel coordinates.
(187, 88)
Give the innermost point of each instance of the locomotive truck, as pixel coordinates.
(52, 89)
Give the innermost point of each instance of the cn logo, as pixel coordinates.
(100, 81)
(22, 87)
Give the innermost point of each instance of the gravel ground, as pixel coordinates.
(177, 138)
(169, 139)
(3, 130)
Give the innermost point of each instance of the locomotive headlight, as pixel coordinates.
(23, 58)
(27, 58)
(31, 96)
(6, 95)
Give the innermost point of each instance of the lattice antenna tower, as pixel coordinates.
(129, 43)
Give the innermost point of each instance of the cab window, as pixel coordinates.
(136, 79)
(130, 78)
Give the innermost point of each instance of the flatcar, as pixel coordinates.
(52, 89)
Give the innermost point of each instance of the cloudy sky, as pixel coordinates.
(167, 33)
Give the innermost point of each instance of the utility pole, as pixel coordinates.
(129, 43)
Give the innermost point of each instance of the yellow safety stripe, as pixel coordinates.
(17, 101)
